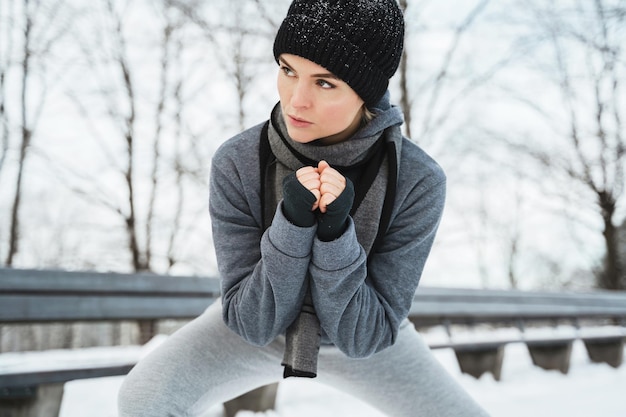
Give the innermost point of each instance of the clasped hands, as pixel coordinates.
(320, 193)
(324, 182)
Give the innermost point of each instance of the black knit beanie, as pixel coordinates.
(359, 41)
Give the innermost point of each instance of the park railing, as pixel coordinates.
(45, 296)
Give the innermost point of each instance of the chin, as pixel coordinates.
(300, 137)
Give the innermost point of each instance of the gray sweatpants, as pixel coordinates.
(205, 363)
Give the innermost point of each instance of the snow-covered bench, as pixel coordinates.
(33, 385)
(597, 318)
(29, 296)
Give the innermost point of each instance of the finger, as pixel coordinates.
(313, 185)
(331, 188)
(317, 195)
(307, 169)
(330, 174)
(310, 179)
(325, 200)
(307, 172)
(322, 165)
(333, 177)
(332, 184)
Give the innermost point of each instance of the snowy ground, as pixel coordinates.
(588, 390)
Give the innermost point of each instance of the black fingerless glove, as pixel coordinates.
(297, 202)
(333, 223)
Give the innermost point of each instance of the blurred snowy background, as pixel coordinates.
(110, 112)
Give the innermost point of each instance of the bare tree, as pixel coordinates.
(513, 246)
(588, 68)
(172, 47)
(42, 26)
(26, 132)
(112, 55)
(147, 115)
(169, 27)
(127, 126)
(231, 39)
(7, 21)
(180, 190)
(432, 94)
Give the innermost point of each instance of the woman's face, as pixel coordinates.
(315, 103)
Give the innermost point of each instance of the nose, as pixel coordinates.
(301, 95)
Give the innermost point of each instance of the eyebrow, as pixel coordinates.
(321, 75)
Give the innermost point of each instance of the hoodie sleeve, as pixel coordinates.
(262, 273)
(360, 306)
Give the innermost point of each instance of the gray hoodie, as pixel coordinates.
(360, 303)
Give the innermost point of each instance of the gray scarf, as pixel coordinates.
(304, 334)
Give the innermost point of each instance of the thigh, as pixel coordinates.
(202, 364)
(404, 380)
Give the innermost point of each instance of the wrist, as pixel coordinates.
(334, 222)
(297, 202)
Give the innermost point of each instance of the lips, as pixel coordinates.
(297, 122)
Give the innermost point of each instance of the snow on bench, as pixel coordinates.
(33, 296)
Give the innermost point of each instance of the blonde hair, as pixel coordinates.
(367, 115)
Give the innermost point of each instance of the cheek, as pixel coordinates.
(280, 86)
(343, 113)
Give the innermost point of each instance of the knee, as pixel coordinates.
(127, 399)
(137, 397)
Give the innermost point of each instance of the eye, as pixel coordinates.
(287, 71)
(325, 84)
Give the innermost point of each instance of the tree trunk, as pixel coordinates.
(610, 278)
(14, 235)
(14, 232)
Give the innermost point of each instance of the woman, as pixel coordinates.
(323, 218)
